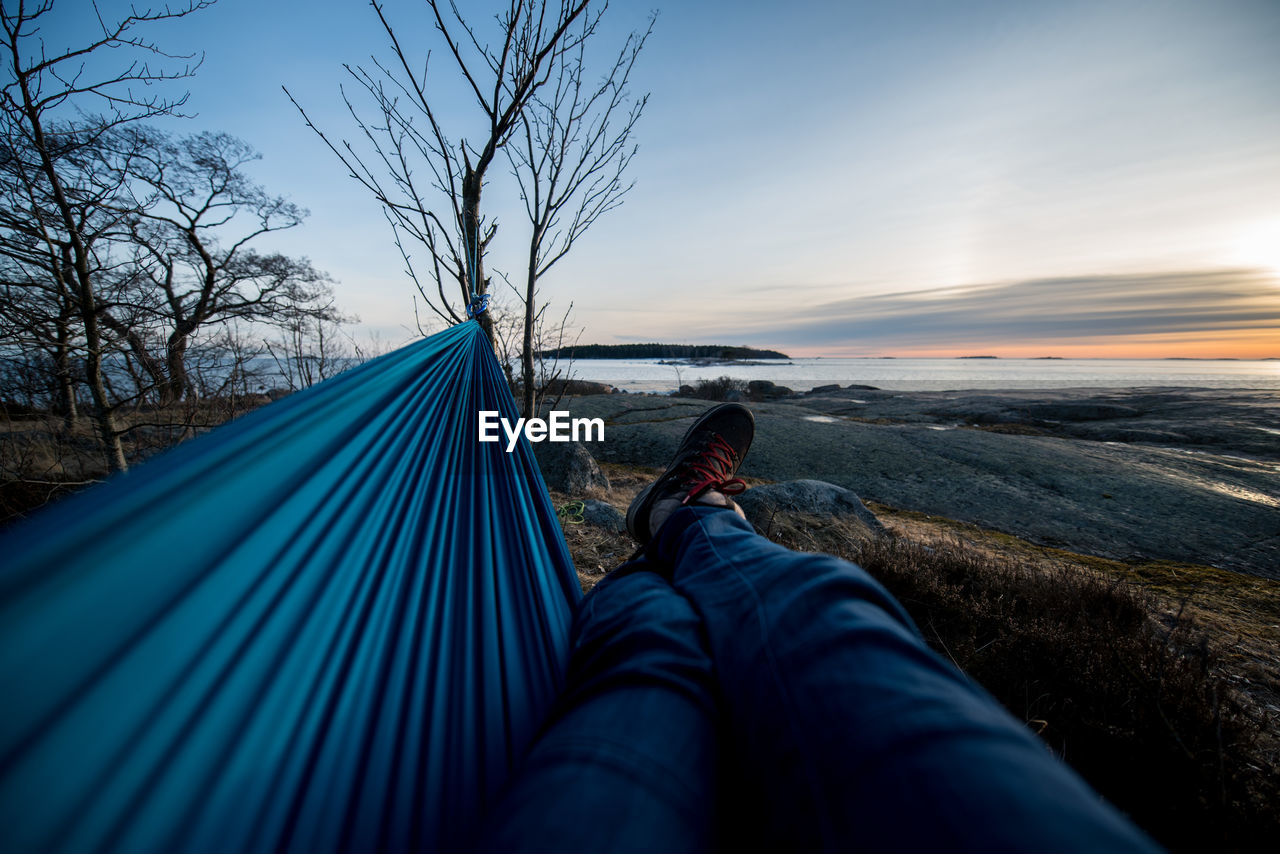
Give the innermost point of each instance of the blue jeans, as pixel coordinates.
(726, 692)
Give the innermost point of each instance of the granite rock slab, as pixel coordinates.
(1190, 475)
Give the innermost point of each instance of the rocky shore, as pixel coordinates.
(1177, 474)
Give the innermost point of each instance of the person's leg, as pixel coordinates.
(628, 761)
(859, 735)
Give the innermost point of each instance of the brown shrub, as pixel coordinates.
(720, 388)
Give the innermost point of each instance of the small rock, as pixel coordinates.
(857, 387)
(569, 467)
(805, 496)
(603, 515)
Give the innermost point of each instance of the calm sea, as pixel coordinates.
(943, 374)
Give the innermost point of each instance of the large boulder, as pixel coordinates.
(765, 390)
(815, 497)
(573, 387)
(569, 467)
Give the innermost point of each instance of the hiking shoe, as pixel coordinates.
(701, 473)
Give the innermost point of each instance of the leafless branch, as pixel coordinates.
(575, 149)
(399, 135)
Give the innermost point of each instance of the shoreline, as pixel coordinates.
(803, 387)
(801, 375)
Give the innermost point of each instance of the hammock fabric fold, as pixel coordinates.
(333, 624)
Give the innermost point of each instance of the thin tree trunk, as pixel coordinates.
(178, 384)
(103, 415)
(66, 383)
(472, 184)
(62, 353)
(526, 349)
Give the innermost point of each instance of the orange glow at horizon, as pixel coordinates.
(1246, 345)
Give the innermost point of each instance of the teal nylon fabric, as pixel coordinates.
(331, 625)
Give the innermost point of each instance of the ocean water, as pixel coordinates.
(649, 375)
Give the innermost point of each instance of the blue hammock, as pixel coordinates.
(333, 624)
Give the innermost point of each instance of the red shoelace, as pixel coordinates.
(711, 470)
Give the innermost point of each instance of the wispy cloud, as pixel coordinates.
(1210, 303)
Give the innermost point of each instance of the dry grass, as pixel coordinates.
(43, 459)
(1240, 612)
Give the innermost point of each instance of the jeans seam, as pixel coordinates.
(774, 670)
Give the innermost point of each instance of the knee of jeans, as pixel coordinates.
(641, 632)
(639, 598)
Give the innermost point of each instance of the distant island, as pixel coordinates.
(660, 351)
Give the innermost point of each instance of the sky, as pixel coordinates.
(1087, 178)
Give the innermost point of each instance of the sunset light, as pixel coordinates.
(1259, 246)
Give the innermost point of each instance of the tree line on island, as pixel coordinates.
(659, 351)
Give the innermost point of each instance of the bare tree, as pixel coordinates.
(507, 326)
(37, 310)
(309, 350)
(37, 261)
(430, 180)
(554, 377)
(313, 348)
(551, 335)
(40, 86)
(192, 217)
(574, 150)
(228, 367)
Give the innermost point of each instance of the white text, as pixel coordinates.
(558, 428)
